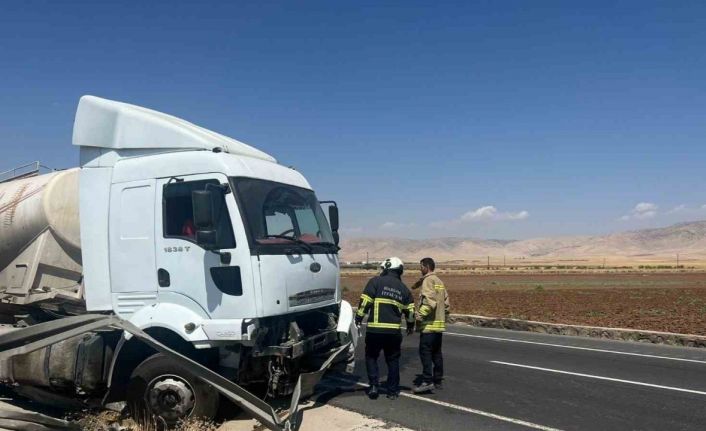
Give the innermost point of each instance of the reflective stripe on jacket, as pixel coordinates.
(433, 304)
(386, 299)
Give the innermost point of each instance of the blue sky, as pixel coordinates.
(493, 119)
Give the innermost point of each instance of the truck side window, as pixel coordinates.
(178, 213)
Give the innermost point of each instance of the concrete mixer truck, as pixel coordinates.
(205, 243)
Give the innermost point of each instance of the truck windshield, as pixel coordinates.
(281, 216)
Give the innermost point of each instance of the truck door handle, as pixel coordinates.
(163, 277)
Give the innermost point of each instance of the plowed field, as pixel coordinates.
(672, 302)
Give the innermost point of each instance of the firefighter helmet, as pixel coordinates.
(391, 263)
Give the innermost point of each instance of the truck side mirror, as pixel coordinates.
(333, 217)
(204, 218)
(202, 201)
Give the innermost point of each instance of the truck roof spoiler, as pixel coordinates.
(112, 125)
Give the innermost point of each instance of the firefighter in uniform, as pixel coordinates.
(385, 298)
(431, 322)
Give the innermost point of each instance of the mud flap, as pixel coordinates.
(36, 337)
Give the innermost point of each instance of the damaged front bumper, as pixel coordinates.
(297, 349)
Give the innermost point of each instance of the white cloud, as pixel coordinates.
(645, 207)
(491, 213)
(645, 210)
(486, 213)
(642, 211)
(482, 213)
(703, 207)
(677, 209)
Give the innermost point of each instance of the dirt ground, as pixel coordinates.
(671, 302)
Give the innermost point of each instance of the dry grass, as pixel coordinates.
(112, 421)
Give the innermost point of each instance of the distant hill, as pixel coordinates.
(688, 239)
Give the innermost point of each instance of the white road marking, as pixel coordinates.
(616, 352)
(610, 379)
(461, 408)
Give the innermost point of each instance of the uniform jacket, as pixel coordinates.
(433, 304)
(386, 298)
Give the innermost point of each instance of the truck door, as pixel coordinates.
(187, 272)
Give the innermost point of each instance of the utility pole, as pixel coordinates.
(488, 262)
(503, 260)
(367, 258)
(677, 260)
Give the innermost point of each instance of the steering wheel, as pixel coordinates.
(288, 231)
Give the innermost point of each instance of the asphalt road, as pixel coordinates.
(507, 380)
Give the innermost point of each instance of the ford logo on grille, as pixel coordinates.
(315, 267)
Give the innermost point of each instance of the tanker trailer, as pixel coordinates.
(40, 244)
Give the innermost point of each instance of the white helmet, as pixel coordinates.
(391, 263)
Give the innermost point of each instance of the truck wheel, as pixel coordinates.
(162, 387)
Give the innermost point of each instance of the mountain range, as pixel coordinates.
(687, 239)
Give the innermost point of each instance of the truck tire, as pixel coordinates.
(162, 387)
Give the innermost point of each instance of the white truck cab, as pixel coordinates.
(263, 246)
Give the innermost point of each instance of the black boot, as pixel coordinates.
(373, 392)
(423, 388)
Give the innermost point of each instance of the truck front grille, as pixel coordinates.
(312, 297)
